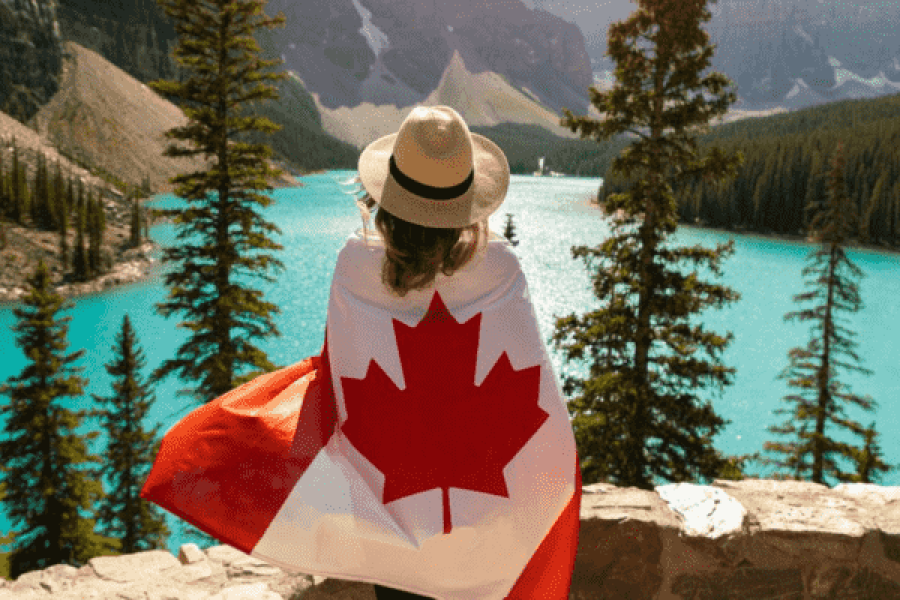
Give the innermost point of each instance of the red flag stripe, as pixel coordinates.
(216, 498)
(548, 574)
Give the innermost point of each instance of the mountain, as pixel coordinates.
(396, 51)
(782, 54)
(367, 63)
(357, 66)
(103, 117)
(483, 99)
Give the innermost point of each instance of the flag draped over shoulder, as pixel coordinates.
(427, 448)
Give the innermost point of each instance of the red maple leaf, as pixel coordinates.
(442, 430)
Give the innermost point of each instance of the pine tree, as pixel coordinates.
(137, 523)
(40, 449)
(510, 231)
(135, 223)
(835, 222)
(80, 202)
(96, 221)
(93, 253)
(63, 238)
(633, 423)
(79, 260)
(17, 183)
(38, 199)
(63, 221)
(58, 194)
(221, 212)
(103, 265)
(5, 195)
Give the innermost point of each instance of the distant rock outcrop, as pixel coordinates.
(759, 539)
(31, 54)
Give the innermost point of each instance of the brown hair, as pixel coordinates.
(413, 254)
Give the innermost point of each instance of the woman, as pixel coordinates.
(428, 447)
(423, 242)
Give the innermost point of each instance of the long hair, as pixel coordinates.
(415, 254)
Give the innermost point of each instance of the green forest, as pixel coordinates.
(51, 201)
(785, 158)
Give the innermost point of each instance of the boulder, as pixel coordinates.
(749, 540)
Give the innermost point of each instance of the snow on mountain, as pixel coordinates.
(779, 53)
(376, 38)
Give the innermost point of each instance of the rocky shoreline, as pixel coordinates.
(136, 267)
(25, 247)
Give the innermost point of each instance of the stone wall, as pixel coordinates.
(741, 540)
(31, 55)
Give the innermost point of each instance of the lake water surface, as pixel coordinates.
(551, 215)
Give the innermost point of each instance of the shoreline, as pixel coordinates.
(785, 237)
(137, 265)
(133, 265)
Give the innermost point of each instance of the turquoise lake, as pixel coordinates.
(551, 215)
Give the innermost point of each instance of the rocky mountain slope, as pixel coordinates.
(103, 117)
(383, 54)
(482, 99)
(106, 129)
(782, 54)
(395, 51)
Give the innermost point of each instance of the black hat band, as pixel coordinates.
(428, 191)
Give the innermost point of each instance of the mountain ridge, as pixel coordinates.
(105, 118)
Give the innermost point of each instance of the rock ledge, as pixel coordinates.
(748, 540)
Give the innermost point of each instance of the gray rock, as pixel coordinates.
(133, 567)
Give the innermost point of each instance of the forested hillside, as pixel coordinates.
(523, 144)
(785, 161)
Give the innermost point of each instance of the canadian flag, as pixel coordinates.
(428, 448)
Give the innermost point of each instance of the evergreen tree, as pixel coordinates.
(63, 222)
(510, 232)
(37, 203)
(101, 232)
(93, 254)
(96, 221)
(79, 260)
(633, 423)
(58, 193)
(17, 184)
(5, 195)
(868, 459)
(834, 223)
(40, 449)
(63, 239)
(80, 202)
(137, 523)
(135, 223)
(221, 212)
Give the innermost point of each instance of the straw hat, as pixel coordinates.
(434, 172)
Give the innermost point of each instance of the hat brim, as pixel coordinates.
(482, 199)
